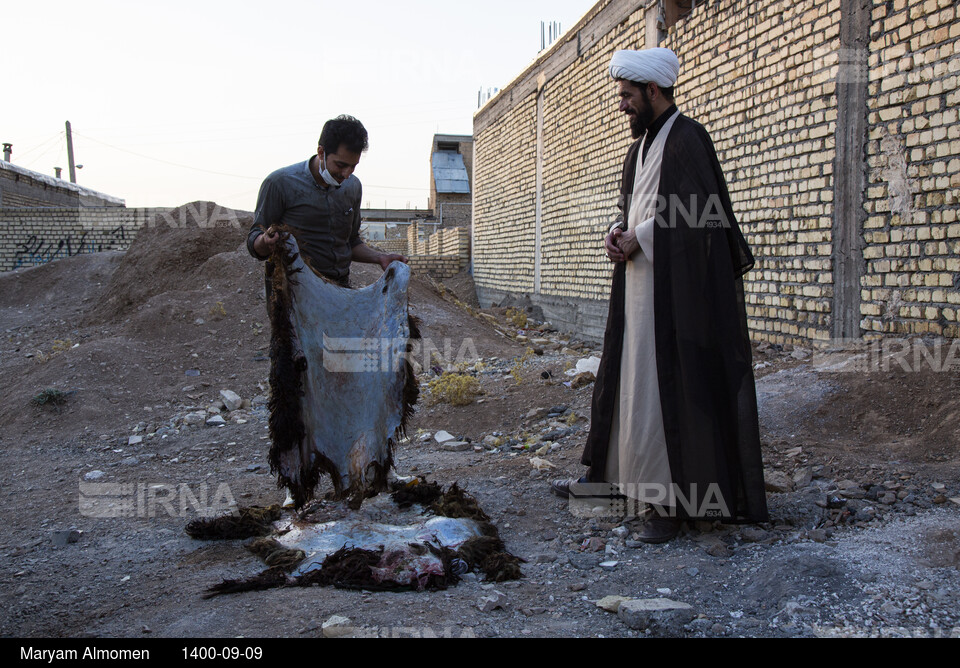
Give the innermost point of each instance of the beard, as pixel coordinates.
(641, 120)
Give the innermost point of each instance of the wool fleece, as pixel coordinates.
(341, 385)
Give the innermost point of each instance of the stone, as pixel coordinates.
(497, 599)
(94, 475)
(611, 603)
(593, 544)
(777, 482)
(194, 419)
(536, 413)
(337, 627)
(455, 446)
(231, 400)
(803, 477)
(663, 616)
(719, 549)
(443, 436)
(754, 535)
(584, 562)
(135, 440)
(215, 421)
(491, 441)
(609, 565)
(63, 538)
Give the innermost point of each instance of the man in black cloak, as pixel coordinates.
(674, 414)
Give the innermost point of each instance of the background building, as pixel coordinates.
(836, 126)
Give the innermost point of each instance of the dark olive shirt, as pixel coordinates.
(326, 221)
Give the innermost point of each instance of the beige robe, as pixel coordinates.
(637, 458)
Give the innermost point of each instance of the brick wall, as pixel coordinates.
(769, 80)
(912, 279)
(31, 236)
(21, 187)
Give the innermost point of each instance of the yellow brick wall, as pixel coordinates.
(762, 78)
(912, 281)
(504, 199)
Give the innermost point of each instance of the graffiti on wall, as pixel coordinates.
(39, 249)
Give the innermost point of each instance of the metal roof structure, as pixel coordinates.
(449, 172)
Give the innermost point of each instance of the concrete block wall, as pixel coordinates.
(32, 236)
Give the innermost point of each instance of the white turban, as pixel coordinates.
(659, 65)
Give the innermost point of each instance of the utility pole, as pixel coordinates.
(73, 168)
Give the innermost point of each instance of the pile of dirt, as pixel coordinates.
(165, 258)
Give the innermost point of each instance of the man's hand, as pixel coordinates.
(266, 242)
(386, 258)
(611, 244)
(628, 243)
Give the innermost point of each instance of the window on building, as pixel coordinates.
(448, 146)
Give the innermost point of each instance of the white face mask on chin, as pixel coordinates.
(327, 176)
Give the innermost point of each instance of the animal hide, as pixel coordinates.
(341, 385)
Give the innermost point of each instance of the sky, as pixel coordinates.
(180, 101)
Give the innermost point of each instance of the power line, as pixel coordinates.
(166, 162)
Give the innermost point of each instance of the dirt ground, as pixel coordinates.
(134, 348)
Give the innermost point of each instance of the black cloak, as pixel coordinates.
(704, 361)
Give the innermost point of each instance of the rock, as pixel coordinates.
(135, 440)
(63, 538)
(455, 446)
(443, 436)
(497, 599)
(545, 558)
(491, 441)
(94, 475)
(663, 616)
(889, 498)
(777, 482)
(260, 400)
(611, 603)
(337, 627)
(536, 413)
(608, 565)
(817, 535)
(582, 380)
(754, 535)
(803, 477)
(194, 419)
(584, 562)
(231, 400)
(719, 549)
(593, 544)
(215, 421)
(542, 464)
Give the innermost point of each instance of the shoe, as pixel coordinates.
(569, 488)
(660, 529)
(288, 502)
(562, 487)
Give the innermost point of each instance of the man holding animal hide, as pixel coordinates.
(341, 387)
(319, 200)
